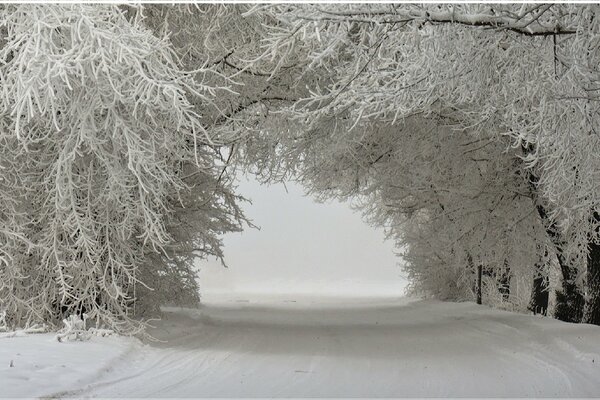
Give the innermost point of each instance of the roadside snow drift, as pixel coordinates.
(307, 348)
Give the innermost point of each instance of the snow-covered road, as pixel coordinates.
(374, 348)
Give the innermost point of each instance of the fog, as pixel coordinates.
(304, 248)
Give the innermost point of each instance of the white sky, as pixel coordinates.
(303, 247)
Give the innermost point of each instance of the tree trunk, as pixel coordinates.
(539, 292)
(569, 299)
(592, 307)
(479, 273)
(503, 282)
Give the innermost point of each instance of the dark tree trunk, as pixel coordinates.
(503, 282)
(569, 299)
(479, 273)
(539, 292)
(592, 307)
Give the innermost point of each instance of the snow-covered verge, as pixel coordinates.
(36, 365)
(301, 347)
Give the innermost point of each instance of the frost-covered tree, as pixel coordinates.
(422, 175)
(467, 129)
(525, 75)
(108, 171)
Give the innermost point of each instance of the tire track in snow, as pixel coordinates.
(420, 349)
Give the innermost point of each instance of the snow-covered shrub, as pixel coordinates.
(74, 329)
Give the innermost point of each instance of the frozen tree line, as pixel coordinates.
(468, 131)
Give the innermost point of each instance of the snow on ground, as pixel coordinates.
(303, 347)
(37, 364)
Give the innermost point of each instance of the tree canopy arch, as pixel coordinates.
(471, 125)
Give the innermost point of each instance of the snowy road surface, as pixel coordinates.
(363, 348)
